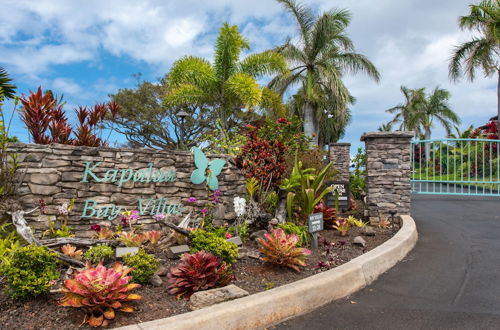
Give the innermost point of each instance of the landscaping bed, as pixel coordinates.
(252, 275)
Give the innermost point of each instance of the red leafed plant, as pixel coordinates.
(329, 214)
(42, 114)
(100, 291)
(262, 159)
(281, 249)
(196, 272)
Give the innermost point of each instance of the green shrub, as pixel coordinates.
(30, 271)
(9, 242)
(144, 264)
(202, 240)
(98, 253)
(301, 231)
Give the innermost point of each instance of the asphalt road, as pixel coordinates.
(451, 280)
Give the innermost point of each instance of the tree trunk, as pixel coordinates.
(498, 103)
(427, 145)
(310, 123)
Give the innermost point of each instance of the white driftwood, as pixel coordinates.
(77, 241)
(25, 232)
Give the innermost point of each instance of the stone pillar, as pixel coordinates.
(340, 155)
(388, 164)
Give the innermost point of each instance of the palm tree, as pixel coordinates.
(319, 59)
(483, 50)
(385, 127)
(404, 111)
(7, 88)
(228, 85)
(461, 134)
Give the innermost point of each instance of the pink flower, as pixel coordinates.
(159, 216)
(228, 235)
(95, 228)
(191, 199)
(204, 211)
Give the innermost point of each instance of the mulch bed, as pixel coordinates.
(252, 275)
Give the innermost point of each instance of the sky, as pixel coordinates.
(89, 49)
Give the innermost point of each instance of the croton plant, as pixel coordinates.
(100, 292)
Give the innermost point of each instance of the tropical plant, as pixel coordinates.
(199, 271)
(100, 292)
(483, 50)
(357, 177)
(102, 232)
(329, 214)
(281, 249)
(319, 59)
(9, 242)
(144, 266)
(30, 272)
(305, 189)
(153, 238)
(8, 161)
(131, 239)
(202, 240)
(7, 89)
(356, 222)
(229, 84)
(384, 223)
(98, 254)
(302, 232)
(343, 226)
(385, 127)
(461, 134)
(71, 251)
(404, 111)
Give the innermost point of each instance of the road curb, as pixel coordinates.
(276, 305)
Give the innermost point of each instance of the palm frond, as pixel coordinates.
(191, 70)
(304, 17)
(8, 89)
(228, 48)
(243, 87)
(265, 63)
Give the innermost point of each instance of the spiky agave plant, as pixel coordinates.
(100, 291)
(196, 272)
(281, 249)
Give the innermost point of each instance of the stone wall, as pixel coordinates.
(388, 167)
(340, 155)
(55, 173)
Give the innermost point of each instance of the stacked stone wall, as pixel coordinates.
(340, 155)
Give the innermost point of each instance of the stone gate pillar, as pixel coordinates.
(340, 155)
(388, 164)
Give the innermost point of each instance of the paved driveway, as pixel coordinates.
(451, 280)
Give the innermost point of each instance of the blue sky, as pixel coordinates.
(88, 49)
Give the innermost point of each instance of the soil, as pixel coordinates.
(252, 275)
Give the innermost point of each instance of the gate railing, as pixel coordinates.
(456, 167)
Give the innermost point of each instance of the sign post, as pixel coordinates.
(315, 225)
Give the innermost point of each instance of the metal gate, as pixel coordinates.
(456, 167)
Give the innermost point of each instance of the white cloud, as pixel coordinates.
(67, 86)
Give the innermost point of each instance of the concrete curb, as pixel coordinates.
(270, 307)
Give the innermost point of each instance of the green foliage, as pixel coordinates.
(305, 189)
(252, 185)
(224, 141)
(144, 264)
(9, 242)
(30, 271)
(8, 161)
(357, 177)
(202, 240)
(98, 253)
(302, 232)
(240, 230)
(288, 131)
(7, 89)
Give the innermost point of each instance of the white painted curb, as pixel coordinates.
(270, 307)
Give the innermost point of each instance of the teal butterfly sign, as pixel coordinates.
(206, 170)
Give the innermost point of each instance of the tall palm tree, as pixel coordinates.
(483, 50)
(229, 85)
(8, 89)
(461, 134)
(385, 127)
(319, 59)
(404, 111)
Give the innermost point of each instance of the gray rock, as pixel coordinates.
(274, 221)
(48, 179)
(162, 271)
(121, 251)
(214, 296)
(258, 234)
(236, 240)
(358, 240)
(368, 231)
(246, 253)
(175, 252)
(219, 212)
(156, 280)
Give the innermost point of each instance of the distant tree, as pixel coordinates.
(145, 122)
(319, 59)
(461, 134)
(385, 127)
(404, 111)
(228, 86)
(9, 89)
(483, 50)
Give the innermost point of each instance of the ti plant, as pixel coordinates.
(343, 226)
(305, 189)
(281, 249)
(100, 292)
(199, 271)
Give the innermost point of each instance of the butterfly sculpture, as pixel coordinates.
(205, 170)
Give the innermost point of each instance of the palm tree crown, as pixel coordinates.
(8, 90)
(229, 84)
(319, 59)
(404, 111)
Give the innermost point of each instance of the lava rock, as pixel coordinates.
(156, 280)
(202, 299)
(368, 231)
(358, 240)
(258, 234)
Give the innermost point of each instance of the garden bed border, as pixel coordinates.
(276, 305)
